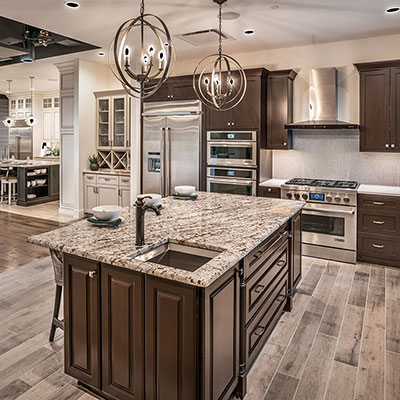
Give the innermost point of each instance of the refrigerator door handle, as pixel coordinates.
(167, 161)
(162, 162)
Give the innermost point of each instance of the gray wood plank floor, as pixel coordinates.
(341, 342)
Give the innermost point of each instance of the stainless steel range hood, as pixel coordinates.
(323, 103)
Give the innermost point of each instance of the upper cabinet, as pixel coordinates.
(112, 125)
(51, 118)
(174, 89)
(379, 106)
(249, 113)
(279, 109)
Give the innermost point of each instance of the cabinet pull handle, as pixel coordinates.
(281, 298)
(281, 263)
(94, 189)
(92, 274)
(259, 331)
(378, 203)
(107, 179)
(259, 288)
(378, 222)
(119, 192)
(378, 246)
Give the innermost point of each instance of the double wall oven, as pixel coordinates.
(232, 162)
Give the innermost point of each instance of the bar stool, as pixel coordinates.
(58, 266)
(8, 184)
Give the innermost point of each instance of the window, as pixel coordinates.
(28, 103)
(20, 104)
(13, 104)
(48, 103)
(56, 102)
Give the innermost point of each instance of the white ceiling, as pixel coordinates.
(294, 23)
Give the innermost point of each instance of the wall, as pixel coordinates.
(316, 154)
(3, 129)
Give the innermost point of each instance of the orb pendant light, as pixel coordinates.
(31, 120)
(8, 122)
(142, 54)
(218, 80)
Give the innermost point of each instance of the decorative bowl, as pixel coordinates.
(33, 182)
(107, 213)
(155, 199)
(40, 181)
(184, 190)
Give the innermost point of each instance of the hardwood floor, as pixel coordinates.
(341, 342)
(14, 248)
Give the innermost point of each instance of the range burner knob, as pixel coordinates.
(289, 195)
(297, 196)
(329, 197)
(304, 196)
(346, 199)
(337, 198)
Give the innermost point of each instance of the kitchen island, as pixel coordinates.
(136, 329)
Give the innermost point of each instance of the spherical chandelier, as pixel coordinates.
(218, 79)
(142, 54)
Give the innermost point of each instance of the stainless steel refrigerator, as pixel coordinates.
(20, 140)
(171, 146)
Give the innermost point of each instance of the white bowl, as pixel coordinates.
(33, 182)
(40, 181)
(107, 213)
(185, 190)
(155, 198)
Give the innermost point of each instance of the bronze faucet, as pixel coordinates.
(141, 208)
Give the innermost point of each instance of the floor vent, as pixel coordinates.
(201, 38)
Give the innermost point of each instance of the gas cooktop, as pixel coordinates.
(323, 183)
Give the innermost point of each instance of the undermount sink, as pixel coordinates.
(178, 256)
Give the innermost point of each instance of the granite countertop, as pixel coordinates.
(31, 164)
(233, 224)
(108, 172)
(379, 190)
(274, 182)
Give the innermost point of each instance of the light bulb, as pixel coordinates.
(126, 51)
(151, 50)
(161, 55)
(206, 81)
(146, 59)
(231, 81)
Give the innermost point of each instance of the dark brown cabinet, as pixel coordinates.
(249, 114)
(379, 106)
(174, 89)
(269, 191)
(82, 320)
(122, 312)
(379, 229)
(296, 253)
(279, 109)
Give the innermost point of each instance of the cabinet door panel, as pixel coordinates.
(374, 110)
(395, 109)
(107, 195)
(90, 197)
(57, 125)
(82, 322)
(48, 125)
(119, 122)
(182, 89)
(125, 197)
(103, 122)
(170, 341)
(122, 333)
(295, 269)
(217, 119)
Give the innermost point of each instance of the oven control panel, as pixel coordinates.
(313, 195)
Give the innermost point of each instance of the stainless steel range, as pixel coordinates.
(329, 217)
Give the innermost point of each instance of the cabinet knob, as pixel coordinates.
(387, 145)
(392, 146)
(92, 274)
(232, 123)
(229, 124)
(284, 143)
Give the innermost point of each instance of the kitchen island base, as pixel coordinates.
(131, 335)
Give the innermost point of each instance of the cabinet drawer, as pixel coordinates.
(124, 181)
(257, 257)
(269, 191)
(90, 178)
(386, 203)
(381, 246)
(107, 180)
(262, 283)
(263, 323)
(379, 222)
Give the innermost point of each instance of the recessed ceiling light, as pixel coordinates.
(101, 54)
(72, 4)
(392, 10)
(274, 7)
(249, 32)
(227, 16)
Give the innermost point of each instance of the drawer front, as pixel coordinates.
(260, 286)
(381, 246)
(269, 191)
(124, 181)
(263, 323)
(385, 203)
(257, 257)
(90, 178)
(379, 222)
(107, 180)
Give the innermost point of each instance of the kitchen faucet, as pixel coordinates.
(141, 208)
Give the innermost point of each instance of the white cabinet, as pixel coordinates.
(51, 119)
(106, 189)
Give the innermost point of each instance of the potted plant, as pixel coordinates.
(56, 152)
(94, 162)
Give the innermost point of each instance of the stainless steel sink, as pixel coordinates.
(179, 256)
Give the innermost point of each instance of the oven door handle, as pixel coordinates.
(323, 210)
(232, 181)
(231, 144)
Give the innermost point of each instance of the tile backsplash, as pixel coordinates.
(334, 154)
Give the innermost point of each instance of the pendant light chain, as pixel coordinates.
(220, 30)
(142, 8)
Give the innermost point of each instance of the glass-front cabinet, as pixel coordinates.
(112, 122)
